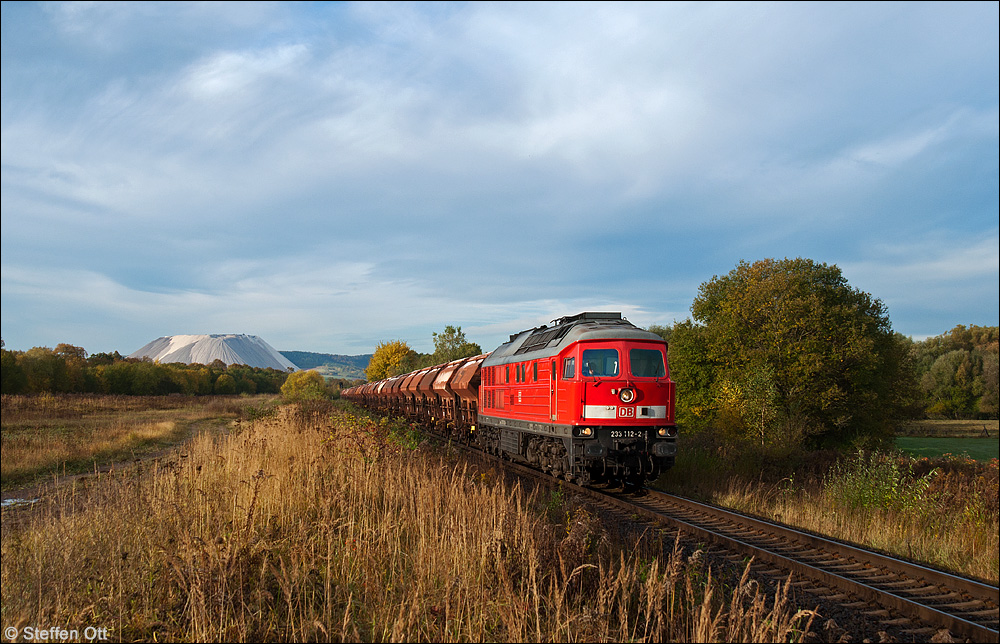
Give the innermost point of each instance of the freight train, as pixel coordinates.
(588, 399)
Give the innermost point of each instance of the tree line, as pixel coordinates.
(786, 352)
(69, 369)
(395, 357)
(779, 352)
(957, 372)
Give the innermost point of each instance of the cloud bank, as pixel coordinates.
(330, 175)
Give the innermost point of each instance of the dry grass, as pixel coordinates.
(46, 435)
(944, 512)
(322, 525)
(961, 543)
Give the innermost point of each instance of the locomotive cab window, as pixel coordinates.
(569, 368)
(646, 363)
(600, 363)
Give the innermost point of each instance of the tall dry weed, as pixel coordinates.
(319, 524)
(942, 511)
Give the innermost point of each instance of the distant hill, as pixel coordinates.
(331, 365)
(230, 348)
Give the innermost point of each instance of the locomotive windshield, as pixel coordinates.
(600, 362)
(646, 363)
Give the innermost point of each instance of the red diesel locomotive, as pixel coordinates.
(587, 399)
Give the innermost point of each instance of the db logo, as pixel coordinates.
(626, 412)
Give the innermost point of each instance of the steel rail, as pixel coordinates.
(779, 555)
(814, 546)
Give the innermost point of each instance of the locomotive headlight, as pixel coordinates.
(626, 395)
(666, 432)
(586, 431)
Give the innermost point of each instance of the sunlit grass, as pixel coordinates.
(321, 524)
(941, 511)
(48, 435)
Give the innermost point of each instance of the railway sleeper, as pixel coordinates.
(899, 621)
(940, 598)
(917, 592)
(877, 612)
(963, 606)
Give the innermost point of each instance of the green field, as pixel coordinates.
(980, 449)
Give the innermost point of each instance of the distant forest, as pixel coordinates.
(955, 374)
(69, 369)
(329, 364)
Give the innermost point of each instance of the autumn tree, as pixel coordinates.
(14, 380)
(75, 359)
(44, 370)
(304, 385)
(787, 349)
(225, 384)
(391, 358)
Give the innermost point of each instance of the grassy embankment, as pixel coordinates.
(47, 435)
(943, 510)
(324, 525)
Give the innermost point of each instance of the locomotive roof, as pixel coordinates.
(546, 341)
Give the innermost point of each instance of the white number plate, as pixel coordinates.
(627, 433)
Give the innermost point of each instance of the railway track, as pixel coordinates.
(968, 608)
(913, 598)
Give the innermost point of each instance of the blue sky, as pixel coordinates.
(327, 176)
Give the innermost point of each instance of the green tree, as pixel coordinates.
(75, 359)
(391, 358)
(990, 402)
(452, 345)
(665, 332)
(98, 359)
(14, 380)
(304, 385)
(750, 403)
(821, 353)
(44, 370)
(958, 372)
(693, 371)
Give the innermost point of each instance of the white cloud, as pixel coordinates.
(327, 170)
(230, 75)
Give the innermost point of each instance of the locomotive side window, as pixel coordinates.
(600, 362)
(646, 363)
(534, 372)
(569, 368)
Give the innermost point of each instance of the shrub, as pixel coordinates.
(877, 481)
(304, 385)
